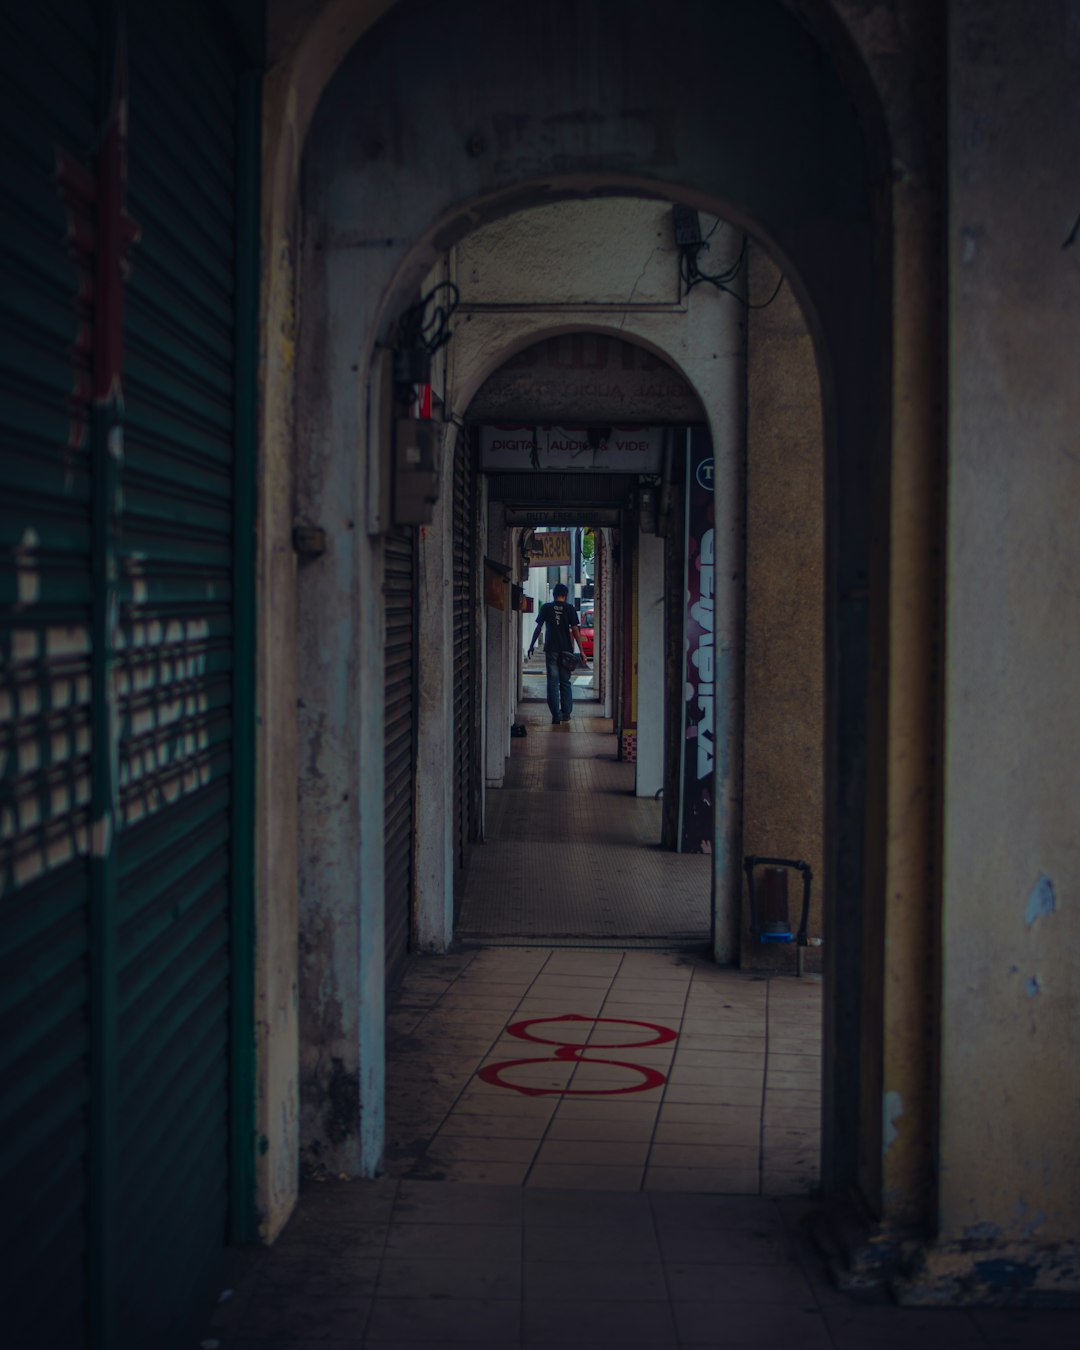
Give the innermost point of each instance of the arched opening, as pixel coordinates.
(397, 168)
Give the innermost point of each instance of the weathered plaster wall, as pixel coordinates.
(784, 707)
(1010, 1108)
(307, 40)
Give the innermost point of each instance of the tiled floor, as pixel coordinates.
(532, 1202)
(729, 1102)
(416, 1264)
(571, 855)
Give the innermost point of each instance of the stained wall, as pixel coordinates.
(1010, 1066)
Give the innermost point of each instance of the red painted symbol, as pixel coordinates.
(568, 1051)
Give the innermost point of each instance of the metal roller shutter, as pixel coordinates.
(175, 665)
(48, 100)
(400, 744)
(120, 664)
(465, 603)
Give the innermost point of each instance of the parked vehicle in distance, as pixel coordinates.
(587, 632)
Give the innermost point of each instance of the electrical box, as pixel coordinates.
(416, 470)
(687, 226)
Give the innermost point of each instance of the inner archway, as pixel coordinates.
(412, 151)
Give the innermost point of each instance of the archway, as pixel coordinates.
(409, 151)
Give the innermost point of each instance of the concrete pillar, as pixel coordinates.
(650, 665)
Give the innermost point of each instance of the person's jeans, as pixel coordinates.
(560, 692)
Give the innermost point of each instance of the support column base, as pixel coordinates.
(868, 1260)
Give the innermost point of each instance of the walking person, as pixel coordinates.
(562, 629)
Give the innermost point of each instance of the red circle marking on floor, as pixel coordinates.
(663, 1036)
(491, 1073)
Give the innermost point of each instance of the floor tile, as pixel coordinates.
(585, 1177)
(462, 1125)
(793, 1063)
(734, 1156)
(745, 1133)
(455, 1148)
(480, 1099)
(712, 1094)
(713, 1071)
(630, 1107)
(702, 1282)
(595, 1278)
(780, 1100)
(734, 1246)
(690, 1113)
(699, 1040)
(598, 1323)
(744, 1325)
(317, 1276)
(721, 1059)
(450, 1278)
(808, 1048)
(714, 1180)
(785, 1079)
(324, 1317)
(590, 1153)
(887, 1328)
(466, 1241)
(572, 1209)
(1029, 1328)
(610, 1130)
(463, 1170)
(435, 1321)
(428, 1202)
(614, 1242)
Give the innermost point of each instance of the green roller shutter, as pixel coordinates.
(174, 665)
(48, 99)
(125, 999)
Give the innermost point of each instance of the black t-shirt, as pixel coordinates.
(558, 619)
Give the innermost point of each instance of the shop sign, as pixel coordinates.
(525, 449)
(550, 548)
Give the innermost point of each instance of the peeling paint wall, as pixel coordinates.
(1010, 1116)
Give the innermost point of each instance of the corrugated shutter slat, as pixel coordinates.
(464, 617)
(399, 553)
(174, 664)
(48, 60)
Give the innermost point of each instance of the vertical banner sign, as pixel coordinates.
(696, 826)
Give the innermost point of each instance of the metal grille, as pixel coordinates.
(400, 742)
(465, 602)
(48, 93)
